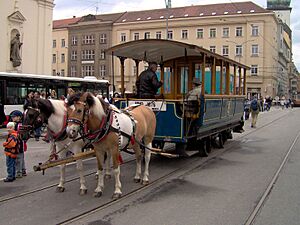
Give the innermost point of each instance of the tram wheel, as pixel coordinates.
(221, 140)
(205, 147)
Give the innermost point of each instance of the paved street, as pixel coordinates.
(224, 190)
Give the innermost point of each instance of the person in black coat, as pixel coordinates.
(147, 83)
(2, 114)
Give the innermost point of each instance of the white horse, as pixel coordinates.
(54, 114)
(113, 131)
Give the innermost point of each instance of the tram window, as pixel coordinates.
(184, 74)
(167, 80)
(158, 74)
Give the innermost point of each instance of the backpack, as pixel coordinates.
(254, 105)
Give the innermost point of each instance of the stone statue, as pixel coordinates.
(15, 46)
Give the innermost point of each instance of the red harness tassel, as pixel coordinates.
(120, 159)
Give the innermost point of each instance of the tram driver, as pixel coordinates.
(147, 83)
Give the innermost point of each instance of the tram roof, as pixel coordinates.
(160, 50)
(49, 77)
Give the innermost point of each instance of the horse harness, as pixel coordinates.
(106, 126)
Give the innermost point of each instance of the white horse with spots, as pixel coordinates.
(54, 114)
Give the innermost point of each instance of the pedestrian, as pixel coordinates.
(11, 151)
(53, 94)
(16, 117)
(254, 110)
(147, 83)
(29, 97)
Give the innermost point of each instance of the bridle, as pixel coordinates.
(83, 122)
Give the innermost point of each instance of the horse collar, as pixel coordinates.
(62, 134)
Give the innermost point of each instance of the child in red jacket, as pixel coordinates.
(11, 151)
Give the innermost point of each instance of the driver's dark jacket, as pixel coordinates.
(147, 84)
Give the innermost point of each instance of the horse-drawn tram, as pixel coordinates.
(190, 124)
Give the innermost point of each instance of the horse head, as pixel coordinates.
(84, 112)
(36, 113)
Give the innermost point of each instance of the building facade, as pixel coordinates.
(60, 43)
(242, 31)
(31, 21)
(88, 39)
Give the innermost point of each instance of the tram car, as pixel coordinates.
(192, 125)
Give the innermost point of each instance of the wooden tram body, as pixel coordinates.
(218, 112)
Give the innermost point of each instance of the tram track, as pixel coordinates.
(2, 200)
(269, 188)
(203, 162)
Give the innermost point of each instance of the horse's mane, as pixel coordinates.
(73, 98)
(46, 107)
(58, 106)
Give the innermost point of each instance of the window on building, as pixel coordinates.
(136, 36)
(200, 33)
(74, 40)
(88, 54)
(123, 37)
(212, 32)
(53, 58)
(212, 49)
(147, 35)
(102, 70)
(62, 58)
(158, 35)
(254, 31)
(54, 72)
(73, 71)
(238, 50)
(170, 35)
(184, 34)
(87, 70)
(73, 55)
(226, 32)
(103, 38)
(254, 50)
(102, 54)
(54, 44)
(225, 50)
(88, 39)
(62, 73)
(63, 43)
(239, 32)
(254, 70)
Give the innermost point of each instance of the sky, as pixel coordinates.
(67, 9)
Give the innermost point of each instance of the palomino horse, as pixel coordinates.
(111, 132)
(54, 114)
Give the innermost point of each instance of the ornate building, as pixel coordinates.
(27, 27)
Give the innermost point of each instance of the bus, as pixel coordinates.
(14, 87)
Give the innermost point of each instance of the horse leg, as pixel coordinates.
(79, 166)
(107, 166)
(116, 170)
(147, 161)
(138, 157)
(61, 187)
(100, 185)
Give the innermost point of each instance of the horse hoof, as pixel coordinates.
(98, 194)
(107, 176)
(145, 182)
(60, 189)
(137, 180)
(116, 196)
(82, 192)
